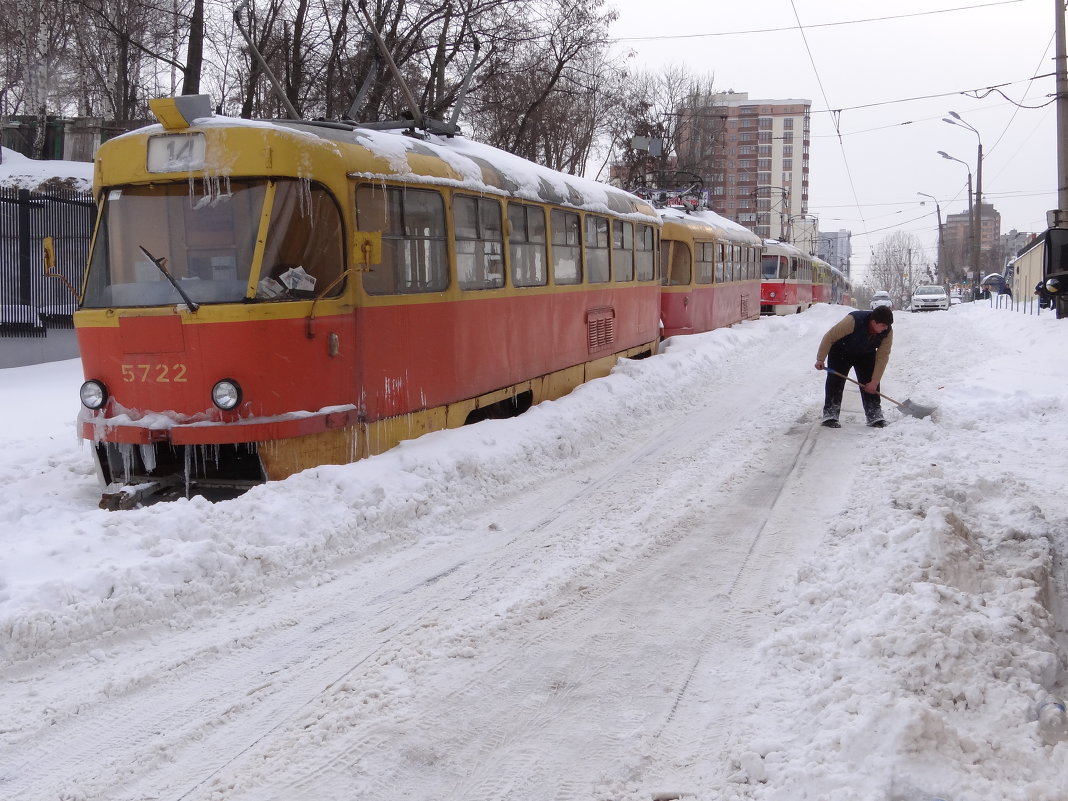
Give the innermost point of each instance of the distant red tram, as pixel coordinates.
(788, 279)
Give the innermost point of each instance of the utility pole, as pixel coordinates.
(1055, 263)
(1061, 215)
(942, 267)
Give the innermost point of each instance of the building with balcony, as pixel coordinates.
(753, 156)
(958, 244)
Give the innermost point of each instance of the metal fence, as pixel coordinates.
(30, 302)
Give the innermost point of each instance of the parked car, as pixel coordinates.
(929, 298)
(881, 298)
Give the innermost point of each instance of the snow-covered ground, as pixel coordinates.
(670, 584)
(17, 170)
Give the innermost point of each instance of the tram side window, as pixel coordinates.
(622, 251)
(665, 259)
(596, 250)
(414, 248)
(304, 253)
(479, 242)
(736, 252)
(645, 252)
(705, 260)
(721, 261)
(526, 245)
(567, 247)
(680, 265)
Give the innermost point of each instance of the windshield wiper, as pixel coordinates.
(162, 267)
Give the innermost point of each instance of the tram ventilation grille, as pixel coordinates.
(601, 329)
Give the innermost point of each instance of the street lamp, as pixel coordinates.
(941, 244)
(973, 218)
(955, 119)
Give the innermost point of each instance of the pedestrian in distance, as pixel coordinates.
(860, 342)
(1044, 298)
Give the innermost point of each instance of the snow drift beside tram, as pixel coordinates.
(264, 297)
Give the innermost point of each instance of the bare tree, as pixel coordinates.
(542, 82)
(899, 264)
(668, 107)
(538, 91)
(194, 58)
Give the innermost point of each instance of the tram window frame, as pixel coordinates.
(478, 230)
(644, 252)
(158, 217)
(415, 254)
(736, 257)
(622, 250)
(567, 247)
(705, 259)
(665, 260)
(302, 236)
(721, 263)
(527, 238)
(598, 250)
(681, 265)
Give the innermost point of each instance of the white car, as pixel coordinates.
(929, 298)
(881, 298)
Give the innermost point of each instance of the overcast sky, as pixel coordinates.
(881, 76)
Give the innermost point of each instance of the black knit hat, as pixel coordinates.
(882, 314)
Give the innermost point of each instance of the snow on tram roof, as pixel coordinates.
(726, 228)
(468, 165)
(785, 247)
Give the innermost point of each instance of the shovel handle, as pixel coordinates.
(847, 378)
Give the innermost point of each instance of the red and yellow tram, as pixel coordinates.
(787, 286)
(711, 271)
(841, 287)
(263, 297)
(822, 281)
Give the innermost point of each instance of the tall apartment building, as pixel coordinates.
(958, 244)
(753, 155)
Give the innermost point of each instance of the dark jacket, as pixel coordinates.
(851, 336)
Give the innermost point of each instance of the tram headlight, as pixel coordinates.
(93, 394)
(226, 394)
(772, 294)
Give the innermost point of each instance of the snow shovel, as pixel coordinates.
(907, 406)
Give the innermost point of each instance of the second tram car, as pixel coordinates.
(710, 271)
(263, 297)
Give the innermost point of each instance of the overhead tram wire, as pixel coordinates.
(817, 25)
(836, 117)
(1016, 111)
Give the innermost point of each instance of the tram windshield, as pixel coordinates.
(774, 266)
(201, 236)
